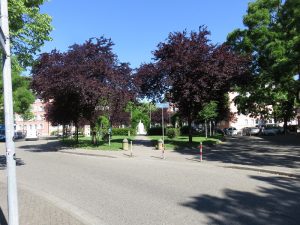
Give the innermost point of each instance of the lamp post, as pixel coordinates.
(12, 200)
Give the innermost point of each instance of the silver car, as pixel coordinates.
(270, 131)
(251, 131)
(231, 131)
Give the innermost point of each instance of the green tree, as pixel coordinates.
(209, 113)
(29, 28)
(272, 90)
(138, 112)
(22, 95)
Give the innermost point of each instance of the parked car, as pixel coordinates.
(2, 138)
(31, 135)
(231, 131)
(270, 131)
(18, 135)
(251, 131)
(2, 134)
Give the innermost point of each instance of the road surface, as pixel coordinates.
(150, 191)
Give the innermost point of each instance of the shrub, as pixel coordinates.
(54, 133)
(105, 137)
(155, 131)
(122, 131)
(185, 130)
(172, 132)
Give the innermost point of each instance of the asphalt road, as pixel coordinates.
(135, 191)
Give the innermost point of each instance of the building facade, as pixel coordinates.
(38, 122)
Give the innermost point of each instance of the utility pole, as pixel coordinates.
(13, 217)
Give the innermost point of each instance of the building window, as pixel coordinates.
(41, 126)
(30, 126)
(35, 126)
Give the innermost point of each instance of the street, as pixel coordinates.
(117, 189)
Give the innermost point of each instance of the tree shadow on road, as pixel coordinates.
(252, 151)
(51, 146)
(3, 220)
(279, 203)
(19, 162)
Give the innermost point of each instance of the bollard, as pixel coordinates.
(125, 144)
(200, 156)
(131, 149)
(163, 152)
(160, 144)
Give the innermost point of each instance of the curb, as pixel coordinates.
(287, 174)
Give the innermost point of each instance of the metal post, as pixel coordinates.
(131, 149)
(109, 139)
(150, 113)
(162, 124)
(13, 217)
(200, 156)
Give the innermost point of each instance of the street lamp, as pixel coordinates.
(12, 199)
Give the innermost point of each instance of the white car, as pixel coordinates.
(31, 135)
(231, 131)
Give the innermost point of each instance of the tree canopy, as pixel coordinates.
(29, 29)
(22, 95)
(272, 37)
(191, 71)
(83, 83)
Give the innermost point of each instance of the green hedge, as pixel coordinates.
(185, 130)
(155, 131)
(122, 131)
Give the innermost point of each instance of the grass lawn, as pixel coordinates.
(183, 141)
(86, 143)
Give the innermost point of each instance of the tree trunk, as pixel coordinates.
(210, 128)
(63, 132)
(205, 129)
(77, 133)
(285, 120)
(94, 134)
(190, 129)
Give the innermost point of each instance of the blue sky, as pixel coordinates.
(137, 26)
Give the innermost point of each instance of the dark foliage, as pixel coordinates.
(191, 71)
(155, 131)
(83, 83)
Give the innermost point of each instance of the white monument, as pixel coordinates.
(140, 129)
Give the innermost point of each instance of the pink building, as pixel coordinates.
(38, 123)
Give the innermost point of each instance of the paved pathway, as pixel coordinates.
(35, 210)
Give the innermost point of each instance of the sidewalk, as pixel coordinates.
(34, 210)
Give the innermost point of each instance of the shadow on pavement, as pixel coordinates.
(278, 151)
(279, 203)
(19, 162)
(146, 143)
(52, 146)
(2, 218)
